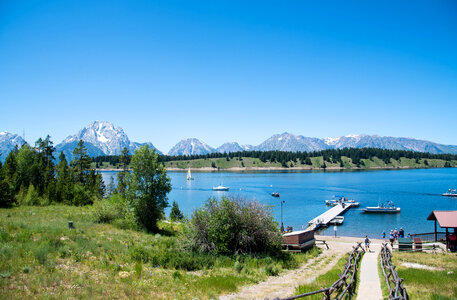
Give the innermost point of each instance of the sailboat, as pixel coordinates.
(189, 176)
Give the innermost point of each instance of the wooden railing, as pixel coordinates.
(393, 281)
(347, 281)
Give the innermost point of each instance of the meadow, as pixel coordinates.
(40, 256)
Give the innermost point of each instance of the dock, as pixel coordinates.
(327, 216)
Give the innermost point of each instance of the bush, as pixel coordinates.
(234, 226)
(110, 209)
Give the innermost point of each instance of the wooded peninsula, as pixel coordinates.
(334, 159)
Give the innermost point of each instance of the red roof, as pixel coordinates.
(446, 218)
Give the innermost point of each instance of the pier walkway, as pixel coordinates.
(328, 215)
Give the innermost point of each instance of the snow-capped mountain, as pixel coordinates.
(290, 142)
(191, 146)
(233, 147)
(7, 143)
(100, 138)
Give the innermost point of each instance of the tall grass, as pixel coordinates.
(428, 284)
(41, 257)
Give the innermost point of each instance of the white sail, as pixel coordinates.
(189, 176)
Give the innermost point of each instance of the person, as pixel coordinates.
(401, 233)
(391, 238)
(395, 234)
(367, 244)
(384, 235)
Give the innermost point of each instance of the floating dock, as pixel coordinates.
(325, 218)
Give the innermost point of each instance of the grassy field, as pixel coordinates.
(326, 280)
(440, 283)
(41, 257)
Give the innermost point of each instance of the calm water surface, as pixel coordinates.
(417, 192)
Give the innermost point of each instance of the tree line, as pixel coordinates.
(304, 158)
(31, 176)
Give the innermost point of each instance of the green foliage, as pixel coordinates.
(175, 213)
(147, 187)
(233, 226)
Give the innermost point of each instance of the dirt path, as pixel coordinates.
(285, 284)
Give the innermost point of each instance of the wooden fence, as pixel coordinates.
(393, 281)
(347, 281)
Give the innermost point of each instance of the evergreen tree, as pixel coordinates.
(124, 161)
(64, 186)
(175, 213)
(80, 163)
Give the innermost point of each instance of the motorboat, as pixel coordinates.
(451, 193)
(338, 220)
(341, 200)
(275, 194)
(220, 188)
(381, 208)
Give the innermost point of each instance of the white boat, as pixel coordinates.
(338, 220)
(189, 176)
(341, 200)
(451, 193)
(220, 188)
(388, 208)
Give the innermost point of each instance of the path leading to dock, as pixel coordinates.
(370, 285)
(284, 285)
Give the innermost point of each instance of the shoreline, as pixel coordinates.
(240, 169)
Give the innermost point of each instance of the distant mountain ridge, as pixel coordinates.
(104, 138)
(290, 142)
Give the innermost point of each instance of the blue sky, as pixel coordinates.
(229, 70)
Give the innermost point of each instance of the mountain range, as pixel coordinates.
(104, 138)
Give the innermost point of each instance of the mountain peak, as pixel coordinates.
(191, 146)
(101, 138)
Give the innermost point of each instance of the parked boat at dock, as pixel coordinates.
(451, 193)
(338, 220)
(340, 200)
(381, 208)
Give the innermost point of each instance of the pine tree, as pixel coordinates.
(64, 186)
(175, 213)
(80, 163)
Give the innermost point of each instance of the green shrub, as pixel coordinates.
(234, 226)
(238, 267)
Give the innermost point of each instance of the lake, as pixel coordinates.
(417, 192)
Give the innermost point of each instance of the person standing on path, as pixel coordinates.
(391, 238)
(367, 244)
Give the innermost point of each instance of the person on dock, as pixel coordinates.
(395, 234)
(367, 244)
(391, 238)
(384, 235)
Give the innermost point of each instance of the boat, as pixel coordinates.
(381, 208)
(189, 176)
(275, 194)
(220, 188)
(341, 200)
(451, 193)
(338, 220)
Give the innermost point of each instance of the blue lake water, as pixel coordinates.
(417, 192)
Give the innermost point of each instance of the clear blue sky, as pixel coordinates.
(229, 70)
